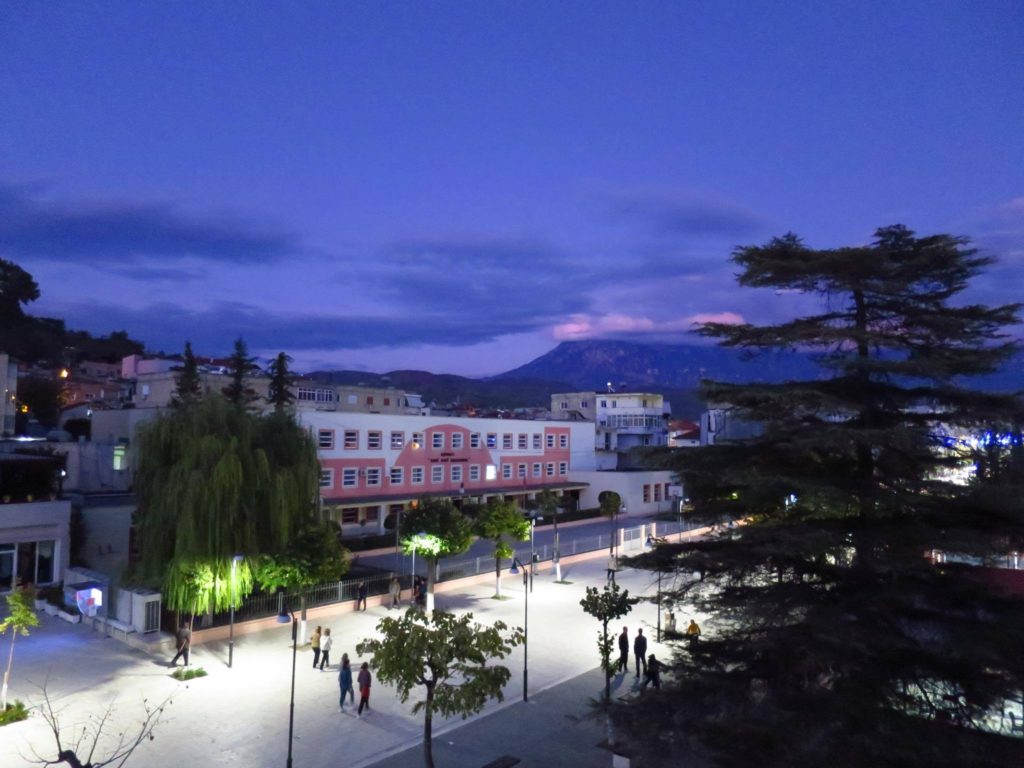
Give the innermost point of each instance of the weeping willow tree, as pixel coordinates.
(214, 481)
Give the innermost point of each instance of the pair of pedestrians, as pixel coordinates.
(321, 641)
(639, 651)
(345, 684)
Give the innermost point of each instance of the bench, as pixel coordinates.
(113, 627)
(505, 761)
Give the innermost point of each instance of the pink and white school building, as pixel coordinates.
(376, 465)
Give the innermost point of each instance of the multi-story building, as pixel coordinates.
(623, 420)
(375, 465)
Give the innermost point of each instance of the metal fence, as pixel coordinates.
(262, 605)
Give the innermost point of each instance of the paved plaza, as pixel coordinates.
(239, 716)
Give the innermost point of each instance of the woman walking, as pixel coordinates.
(314, 640)
(325, 649)
(345, 682)
(364, 689)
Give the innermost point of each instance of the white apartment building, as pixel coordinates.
(623, 420)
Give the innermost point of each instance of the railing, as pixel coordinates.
(262, 605)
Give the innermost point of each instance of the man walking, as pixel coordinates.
(624, 650)
(184, 639)
(361, 596)
(395, 590)
(653, 673)
(640, 652)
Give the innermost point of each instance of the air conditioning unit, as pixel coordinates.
(146, 610)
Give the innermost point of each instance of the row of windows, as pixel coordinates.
(321, 395)
(656, 492)
(396, 440)
(372, 476)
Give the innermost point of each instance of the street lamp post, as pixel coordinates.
(234, 592)
(516, 565)
(284, 617)
(651, 543)
(555, 555)
(533, 551)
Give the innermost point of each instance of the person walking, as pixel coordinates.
(640, 652)
(361, 596)
(345, 682)
(364, 681)
(395, 590)
(693, 632)
(184, 644)
(314, 640)
(624, 650)
(325, 649)
(610, 569)
(653, 673)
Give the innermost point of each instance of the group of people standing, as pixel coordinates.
(321, 642)
(649, 665)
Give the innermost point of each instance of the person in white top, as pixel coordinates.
(326, 641)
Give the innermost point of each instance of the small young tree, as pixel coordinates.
(549, 503)
(280, 389)
(610, 503)
(93, 739)
(242, 367)
(436, 528)
(606, 605)
(496, 520)
(22, 618)
(189, 386)
(446, 655)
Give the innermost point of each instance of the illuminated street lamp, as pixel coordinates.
(284, 617)
(514, 570)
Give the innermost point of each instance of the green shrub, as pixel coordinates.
(188, 673)
(15, 712)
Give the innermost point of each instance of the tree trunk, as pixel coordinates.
(497, 576)
(428, 725)
(7, 672)
(69, 757)
(431, 574)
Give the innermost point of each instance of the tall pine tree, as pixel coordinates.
(189, 388)
(241, 367)
(280, 388)
(834, 639)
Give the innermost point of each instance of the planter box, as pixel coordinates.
(40, 605)
(50, 609)
(70, 618)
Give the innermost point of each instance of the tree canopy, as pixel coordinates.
(448, 657)
(189, 386)
(494, 521)
(214, 481)
(280, 388)
(836, 640)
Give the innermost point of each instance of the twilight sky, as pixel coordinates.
(458, 186)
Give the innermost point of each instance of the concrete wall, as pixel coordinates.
(629, 485)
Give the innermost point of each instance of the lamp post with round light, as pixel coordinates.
(284, 617)
(234, 595)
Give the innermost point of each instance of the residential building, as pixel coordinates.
(623, 420)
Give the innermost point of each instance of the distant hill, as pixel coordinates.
(673, 370)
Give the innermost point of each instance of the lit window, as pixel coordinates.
(492, 440)
(120, 457)
(417, 439)
(325, 438)
(491, 473)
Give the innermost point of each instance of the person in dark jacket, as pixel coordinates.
(640, 652)
(361, 596)
(364, 680)
(345, 682)
(184, 640)
(624, 650)
(653, 673)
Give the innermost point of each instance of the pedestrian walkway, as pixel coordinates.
(239, 716)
